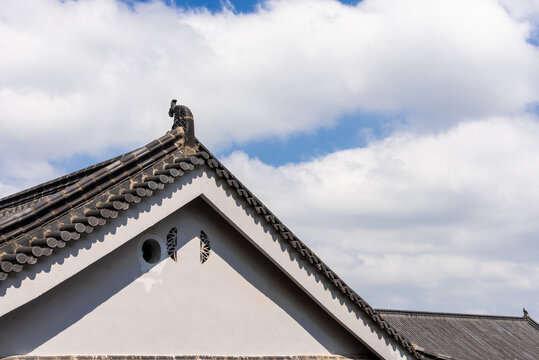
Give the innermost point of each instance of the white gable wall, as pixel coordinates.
(237, 303)
(48, 273)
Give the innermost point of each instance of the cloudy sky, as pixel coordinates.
(398, 139)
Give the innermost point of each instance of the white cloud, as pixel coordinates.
(85, 77)
(100, 68)
(526, 10)
(433, 212)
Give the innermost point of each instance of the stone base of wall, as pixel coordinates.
(187, 357)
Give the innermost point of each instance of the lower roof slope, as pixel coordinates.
(467, 337)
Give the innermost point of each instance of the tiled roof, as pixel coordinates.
(45, 218)
(467, 337)
(23, 199)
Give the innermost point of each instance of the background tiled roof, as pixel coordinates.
(468, 337)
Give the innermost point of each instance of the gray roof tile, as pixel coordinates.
(468, 337)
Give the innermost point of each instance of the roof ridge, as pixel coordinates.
(448, 314)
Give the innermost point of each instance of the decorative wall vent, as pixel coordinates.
(151, 251)
(172, 243)
(204, 247)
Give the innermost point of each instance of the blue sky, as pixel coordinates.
(243, 6)
(399, 140)
(349, 131)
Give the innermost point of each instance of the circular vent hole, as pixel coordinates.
(151, 251)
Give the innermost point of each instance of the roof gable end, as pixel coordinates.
(118, 185)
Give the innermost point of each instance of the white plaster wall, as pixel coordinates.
(237, 303)
(24, 290)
